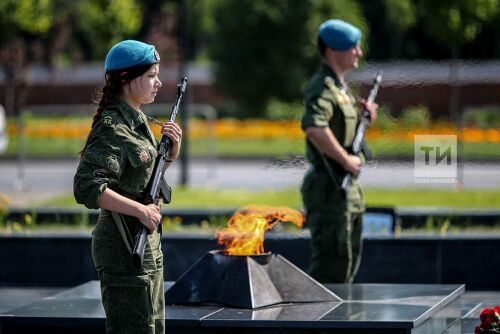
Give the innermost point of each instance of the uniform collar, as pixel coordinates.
(327, 70)
(133, 117)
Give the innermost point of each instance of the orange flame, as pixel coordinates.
(246, 227)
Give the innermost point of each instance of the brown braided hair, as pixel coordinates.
(112, 90)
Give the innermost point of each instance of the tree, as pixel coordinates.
(265, 49)
(101, 24)
(20, 21)
(456, 22)
(42, 30)
(401, 16)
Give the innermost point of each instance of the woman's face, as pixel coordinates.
(143, 89)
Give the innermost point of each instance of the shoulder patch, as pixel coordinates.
(111, 118)
(329, 82)
(108, 120)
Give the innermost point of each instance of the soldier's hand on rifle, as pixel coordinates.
(150, 217)
(372, 108)
(174, 133)
(352, 164)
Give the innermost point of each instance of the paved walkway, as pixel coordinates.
(42, 179)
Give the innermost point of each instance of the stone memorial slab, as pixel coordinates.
(366, 308)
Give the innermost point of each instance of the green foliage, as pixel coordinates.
(487, 117)
(415, 117)
(322, 10)
(278, 110)
(401, 14)
(453, 224)
(26, 16)
(104, 23)
(257, 53)
(437, 224)
(385, 121)
(265, 50)
(92, 25)
(447, 198)
(27, 223)
(390, 149)
(171, 223)
(4, 201)
(217, 221)
(456, 22)
(201, 25)
(397, 197)
(400, 17)
(82, 220)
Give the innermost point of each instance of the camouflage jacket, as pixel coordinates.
(120, 154)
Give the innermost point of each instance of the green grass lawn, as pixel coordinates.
(381, 148)
(205, 198)
(386, 148)
(44, 147)
(464, 199)
(187, 198)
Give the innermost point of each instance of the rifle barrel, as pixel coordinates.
(362, 127)
(153, 195)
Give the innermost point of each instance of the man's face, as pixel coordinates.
(349, 59)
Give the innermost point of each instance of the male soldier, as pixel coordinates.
(331, 116)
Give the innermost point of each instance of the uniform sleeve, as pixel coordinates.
(319, 102)
(100, 167)
(319, 111)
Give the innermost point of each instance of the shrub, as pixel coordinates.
(385, 121)
(278, 110)
(415, 117)
(487, 117)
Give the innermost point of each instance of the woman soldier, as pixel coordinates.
(115, 166)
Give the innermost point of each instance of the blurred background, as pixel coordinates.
(247, 62)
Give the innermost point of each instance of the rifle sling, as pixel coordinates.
(329, 169)
(124, 231)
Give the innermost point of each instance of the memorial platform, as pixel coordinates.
(366, 308)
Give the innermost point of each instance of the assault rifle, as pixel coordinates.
(158, 187)
(357, 145)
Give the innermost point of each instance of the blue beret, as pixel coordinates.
(339, 35)
(130, 53)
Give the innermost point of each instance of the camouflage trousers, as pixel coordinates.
(335, 223)
(336, 246)
(134, 300)
(133, 304)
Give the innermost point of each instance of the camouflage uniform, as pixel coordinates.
(121, 155)
(334, 219)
